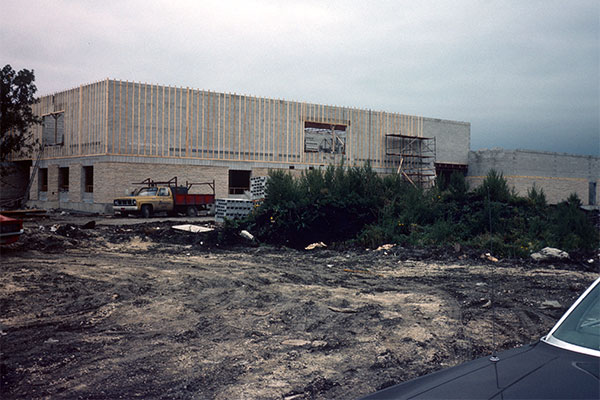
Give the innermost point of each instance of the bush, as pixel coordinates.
(495, 188)
(571, 228)
(355, 204)
(321, 205)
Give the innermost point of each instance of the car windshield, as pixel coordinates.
(151, 191)
(582, 326)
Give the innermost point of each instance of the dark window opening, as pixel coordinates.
(88, 179)
(324, 138)
(239, 181)
(63, 179)
(444, 172)
(53, 132)
(292, 167)
(43, 179)
(592, 193)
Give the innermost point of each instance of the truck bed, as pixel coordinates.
(194, 199)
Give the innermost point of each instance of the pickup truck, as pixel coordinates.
(168, 196)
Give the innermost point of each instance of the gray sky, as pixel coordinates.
(524, 73)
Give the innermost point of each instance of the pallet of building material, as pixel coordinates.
(232, 209)
(258, 187)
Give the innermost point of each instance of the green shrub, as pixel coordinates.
(536, 198)
(571, 228)
(355, 204)
(458, 186)
(495, 187)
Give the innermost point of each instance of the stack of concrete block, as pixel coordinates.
(232, 209)
(258, 186)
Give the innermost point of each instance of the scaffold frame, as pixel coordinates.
(414, 157)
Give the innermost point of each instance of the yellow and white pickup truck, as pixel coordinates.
(156, 197)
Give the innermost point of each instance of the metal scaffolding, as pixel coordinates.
(414, 156)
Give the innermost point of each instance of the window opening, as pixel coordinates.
(53, 132)
(43, 179)
(239, 181)
(63, 179)
(324, 138)
(88, 179)
(592, 193)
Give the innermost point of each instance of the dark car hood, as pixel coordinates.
(537, 371)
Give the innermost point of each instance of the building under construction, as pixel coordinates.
(99, 138)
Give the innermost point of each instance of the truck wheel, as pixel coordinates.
(192, 211)
(146, 211)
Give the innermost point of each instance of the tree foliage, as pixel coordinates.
(17, 95)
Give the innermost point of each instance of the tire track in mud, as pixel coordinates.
(161, 320)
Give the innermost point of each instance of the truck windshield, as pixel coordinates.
(151, 191)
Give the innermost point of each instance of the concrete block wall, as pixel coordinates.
(452, 139)
(75, 188)
(113, 180)
(53, 182)
(558, 174)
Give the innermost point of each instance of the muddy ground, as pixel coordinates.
(143, 311)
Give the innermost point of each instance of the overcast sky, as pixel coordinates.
(524, 73)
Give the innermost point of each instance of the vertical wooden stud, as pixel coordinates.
(145, 146)
(133, 100)
(199, 113)
(169, 131)
(162, 124)
(202, 125)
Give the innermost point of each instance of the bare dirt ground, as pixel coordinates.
(143, 311)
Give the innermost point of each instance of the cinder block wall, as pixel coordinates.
(53, 182)
(558, 174)
(75, 188)
(452, 139)
(113, 180)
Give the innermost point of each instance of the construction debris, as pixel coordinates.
(550, 253)
(89, 225)
(317, 245)
(295, 342)
(192, 228)
(246, 235)
(550, 304)
(489, 257)
(343, 310)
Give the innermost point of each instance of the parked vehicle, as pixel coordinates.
(10, 229)
(564, 364)
(168, 196)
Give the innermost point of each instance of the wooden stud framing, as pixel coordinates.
(200, 111)
(255, 134)
(217, 126)
(239, 142)
(145, 146)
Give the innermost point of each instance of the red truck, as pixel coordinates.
(165, 196)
